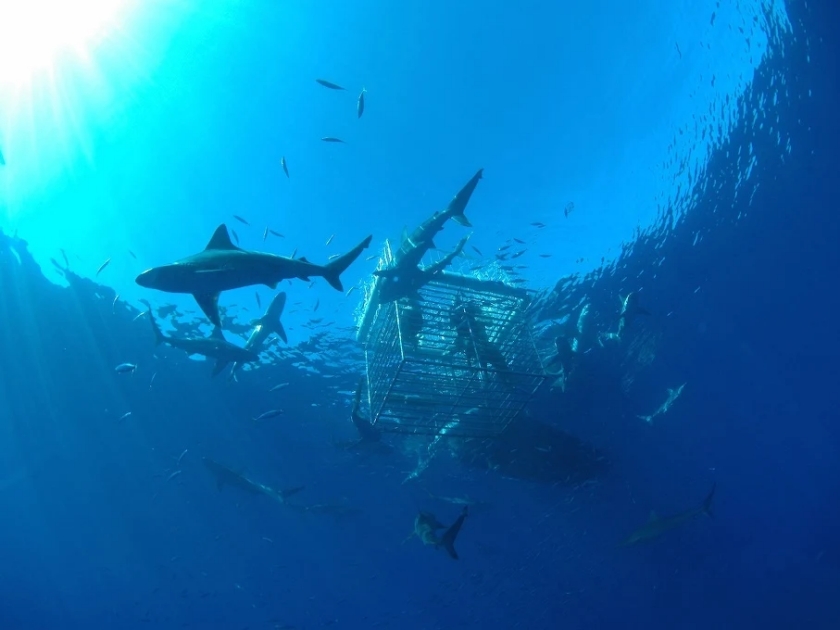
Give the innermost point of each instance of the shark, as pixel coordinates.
(213, 347)
(426, 527)
(264, 326)
(228, 477)
(406, 280)
(656, 525)
(222, 266)
(415, 245)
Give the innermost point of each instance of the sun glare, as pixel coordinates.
(35, 34)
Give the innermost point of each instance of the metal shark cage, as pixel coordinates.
(424, 376)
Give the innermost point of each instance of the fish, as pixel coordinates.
(222, 266)
(132, 254)
(125, 368)
(271, 413)
(332, 139)
(405, 281)
(265, 234)
(277, 234)
(102, 266)
(278, 387)
(476, 250)
(235, 236)
(227, 477)
(329, 84)
(125, 416)
(426, 527)
(414, 246)
(360, 104)
(284, 165)
(259, 303)
(657, 526)
(240, 219)
(213, 347)
(264, 326)
(329, 240)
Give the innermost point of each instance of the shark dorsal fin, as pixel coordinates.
(653, 516)
(221, 239)
(303, 259)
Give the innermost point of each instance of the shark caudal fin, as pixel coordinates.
(332, 271)
(271, 319)
(707, 502)
(159, 338)
(448, 540)
(456, 207)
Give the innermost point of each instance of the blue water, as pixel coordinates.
(697, 143)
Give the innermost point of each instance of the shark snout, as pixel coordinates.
(147, 278)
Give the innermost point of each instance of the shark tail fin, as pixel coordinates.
(707, 502)
(332, 271)
(159, 338)
(448, 540)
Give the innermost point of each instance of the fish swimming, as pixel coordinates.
(284, 165)
(329, 84)
(240, 219)
(426, 526)
(214, 347)
(228, 477)
(125, 368)
(266, 325)
(223, 266)
(266, 415)
(657, 526)
(102, 266)
(360, 104)
(406, 280)
(332, 139)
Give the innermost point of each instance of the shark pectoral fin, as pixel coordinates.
(281, 332)
(218, 367)
(209, 304)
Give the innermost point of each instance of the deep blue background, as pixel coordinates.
(93, 534)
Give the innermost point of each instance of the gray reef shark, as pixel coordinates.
(222, 266)
(214, 347)
(406, 280)
(264, 326)
(657, 526)
(226, 476)
(426, 527)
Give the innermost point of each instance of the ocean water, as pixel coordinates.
(683, 154)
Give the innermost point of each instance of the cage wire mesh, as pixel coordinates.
(458, 359)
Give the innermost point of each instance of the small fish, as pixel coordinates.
(132, 254)
(329, 84)
(173, 475)
(125, 368)
(235, 236)
(350, 290)
(284, 165)
(124, 416)
(64, 256)
(259, 304)
(317, 304)
(102, 266)
(332, 139)
(329, 240)
(538, 225)
(545, 255)
(265, 234)
(151, 382)
(114, 305)
(279, 386)
(271, 413)
(477, 251)
(277, 234)
(570, 207)
(520, 241)
(240, 219)
(181, 456)
(294, 253)
(360, 104)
